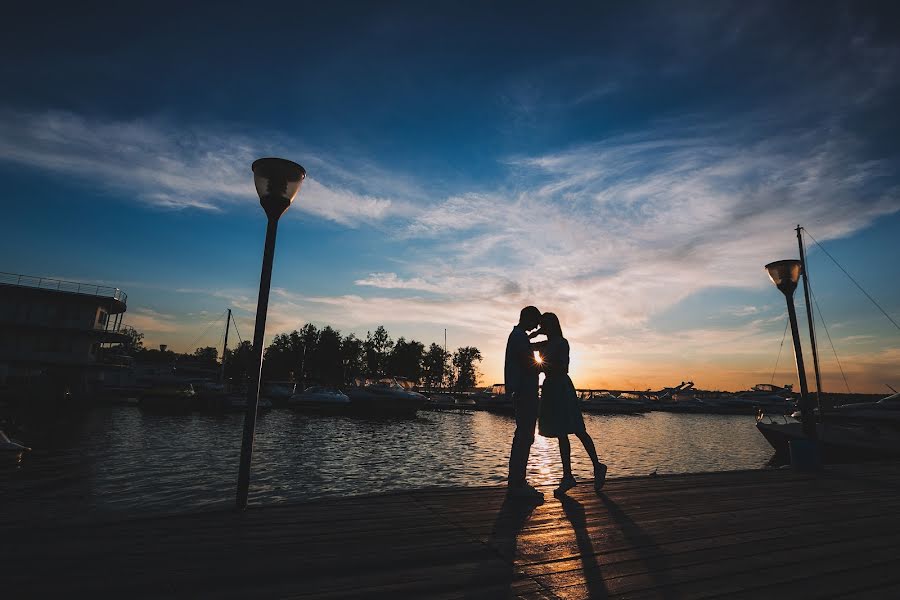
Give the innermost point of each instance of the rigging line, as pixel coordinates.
(780, 348)
(211, 323)
(884, 312)
(828, 335)
(233, 322)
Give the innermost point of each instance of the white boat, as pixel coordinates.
(883, 412)
(320, 399)
(609, 404)
(385, 397)
(772, 399)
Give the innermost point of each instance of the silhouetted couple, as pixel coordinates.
(557, 413)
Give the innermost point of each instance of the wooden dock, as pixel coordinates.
(760, 534)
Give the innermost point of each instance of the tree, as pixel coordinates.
(377, 348)
(283, 356)
(238, 362)
(208, 354)
(309, 339)
(464, 360)
(436, 366)
(134, 340)
(405, 360)
(352, 358)
(326, 362)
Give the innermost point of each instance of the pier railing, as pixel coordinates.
(60, 285)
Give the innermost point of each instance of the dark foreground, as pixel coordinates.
(750, 534)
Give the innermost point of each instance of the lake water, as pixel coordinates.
(116, 460)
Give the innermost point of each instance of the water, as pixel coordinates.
(118, 461)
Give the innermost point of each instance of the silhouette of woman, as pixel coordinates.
(560, 413)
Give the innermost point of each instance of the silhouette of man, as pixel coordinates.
(521, 377)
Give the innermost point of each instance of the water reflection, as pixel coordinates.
(118, 460)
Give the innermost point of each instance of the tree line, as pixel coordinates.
(312, 355)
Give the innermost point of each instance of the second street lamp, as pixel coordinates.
(785, 274)
(277, 182)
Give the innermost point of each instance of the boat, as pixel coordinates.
(851, 432)
(494, 399)
(319, 398)
(884, 412)
(770, 398)
(384, 397)
(839, 442)
(606, 403)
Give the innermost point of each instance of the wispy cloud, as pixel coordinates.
(148, 320)
(173, 167)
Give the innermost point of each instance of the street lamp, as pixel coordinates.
(785, 274)
(277, 182)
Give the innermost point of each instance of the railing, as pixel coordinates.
(48, 283)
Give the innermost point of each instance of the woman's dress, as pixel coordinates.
(560, 412)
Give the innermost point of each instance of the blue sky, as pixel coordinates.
(628, 166)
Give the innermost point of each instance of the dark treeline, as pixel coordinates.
(311, 355)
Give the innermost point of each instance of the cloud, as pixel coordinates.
(148, 320)
(179, 168)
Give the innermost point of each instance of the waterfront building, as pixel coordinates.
(59, 334)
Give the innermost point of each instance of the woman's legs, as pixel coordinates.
(565, 453)
(588, 446)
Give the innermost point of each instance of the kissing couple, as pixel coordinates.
(557, 412)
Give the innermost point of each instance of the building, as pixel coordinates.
(58, 334)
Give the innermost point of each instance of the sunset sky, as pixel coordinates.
(629, 166)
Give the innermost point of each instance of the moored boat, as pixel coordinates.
(384, 397)
(319, 398)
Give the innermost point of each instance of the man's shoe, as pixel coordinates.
(599, 477)
(525, 492)
(565, 484)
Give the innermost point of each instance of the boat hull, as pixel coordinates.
(839, 443)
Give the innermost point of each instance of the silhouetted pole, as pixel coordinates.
(785, 274)
(225, 346)
(277, 182)
(809, 316)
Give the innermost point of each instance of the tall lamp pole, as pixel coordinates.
(785, 274)
(277, 182)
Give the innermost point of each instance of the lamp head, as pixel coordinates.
(785, 274)
(277, 182)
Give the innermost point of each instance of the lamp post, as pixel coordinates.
(785, 274)
(277, 182)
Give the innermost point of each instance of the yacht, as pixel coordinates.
(320, 398)
(770, 398)
(385, 397)
(885, 412)
(608, 404)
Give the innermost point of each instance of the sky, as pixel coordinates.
(628, 166)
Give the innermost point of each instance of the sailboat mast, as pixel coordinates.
(809, 317)
(225, 347)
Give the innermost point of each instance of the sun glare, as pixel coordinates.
(538, 359)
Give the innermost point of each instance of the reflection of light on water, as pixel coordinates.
(130, 464)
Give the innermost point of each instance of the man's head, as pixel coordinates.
(530, 318)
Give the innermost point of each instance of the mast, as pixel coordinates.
(809, 317)
(225, 347)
